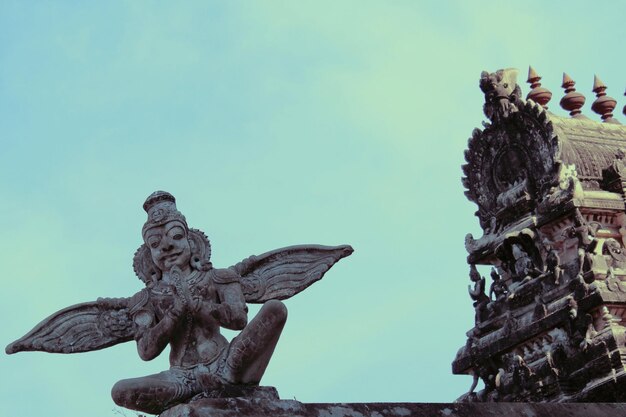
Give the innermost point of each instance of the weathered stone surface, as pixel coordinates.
(551, 197)
(184, 304)
(238, 407)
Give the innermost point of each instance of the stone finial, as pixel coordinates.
(604, 104)
(537, 93)
(572, 101)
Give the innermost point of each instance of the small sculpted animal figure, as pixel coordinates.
(184, 304)
(502, 94)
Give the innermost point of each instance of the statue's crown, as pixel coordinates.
(158, 197)
(161, 209)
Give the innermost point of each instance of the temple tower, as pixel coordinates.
(550, 191)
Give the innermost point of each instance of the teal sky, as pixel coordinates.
(273, 123)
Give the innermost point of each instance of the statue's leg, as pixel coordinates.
(155, 393)
(251, 350)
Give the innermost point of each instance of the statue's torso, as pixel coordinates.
(197, 338)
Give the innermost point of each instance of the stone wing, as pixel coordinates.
(284, 272)
(80, 328)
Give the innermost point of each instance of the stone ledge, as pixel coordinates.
(232, 407)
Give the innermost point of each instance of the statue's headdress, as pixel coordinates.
(161, 208)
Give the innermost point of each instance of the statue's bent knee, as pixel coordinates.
(276, 310)
(122, 394)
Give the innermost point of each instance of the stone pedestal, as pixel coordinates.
(238, 407)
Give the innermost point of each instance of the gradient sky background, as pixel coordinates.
(273, 123)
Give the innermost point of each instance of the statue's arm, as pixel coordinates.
(232, 311)
(153, 337)
(152, 341)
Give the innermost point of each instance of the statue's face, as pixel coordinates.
(169, 246)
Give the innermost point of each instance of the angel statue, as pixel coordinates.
(184, 303)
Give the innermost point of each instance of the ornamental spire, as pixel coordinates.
(537, 93)
(603, 105)
(572, 101)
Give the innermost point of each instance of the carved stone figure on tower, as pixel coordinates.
(614, 253)
(520, 256)
(585, 232)
(553, 263)
(502, 94)
(478, 293)
(184, 304)
(498, 287)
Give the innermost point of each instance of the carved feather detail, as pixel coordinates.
(284, 272)
(79, 328)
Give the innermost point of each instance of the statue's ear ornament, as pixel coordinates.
(200, 250)
(143, 266)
